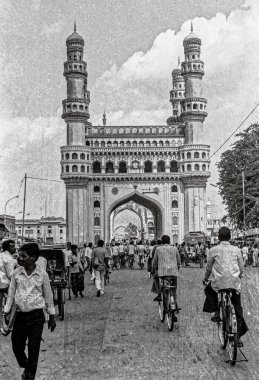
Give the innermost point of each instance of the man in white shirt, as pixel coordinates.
(30, 290)
(6, 268)
(224, 271)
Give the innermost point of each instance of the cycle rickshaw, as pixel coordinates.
(56, 270)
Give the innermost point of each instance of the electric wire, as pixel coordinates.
(240, 125)
(45, 179)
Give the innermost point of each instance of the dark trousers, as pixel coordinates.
(211, 305)
(28, 326)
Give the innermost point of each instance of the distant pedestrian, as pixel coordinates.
(150, 257)
(89, 254)
(30, 290)
(99, 266)
(244, 252)
(255, 255)
(67, 253)
(77, 272)
(6, 269)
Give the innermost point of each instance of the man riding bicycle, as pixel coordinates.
(224, 271)
(165, 265)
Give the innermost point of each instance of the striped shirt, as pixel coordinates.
(166, 260)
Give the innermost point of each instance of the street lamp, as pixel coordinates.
(16, 196)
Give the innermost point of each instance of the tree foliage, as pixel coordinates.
(244, 155)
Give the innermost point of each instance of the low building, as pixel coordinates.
(7, 227)
(47, 230)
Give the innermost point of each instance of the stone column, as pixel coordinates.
(194, 210)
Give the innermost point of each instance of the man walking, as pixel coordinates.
(6, 269)
(30, 290)
(99, 266)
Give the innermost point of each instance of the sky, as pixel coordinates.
(131, 48)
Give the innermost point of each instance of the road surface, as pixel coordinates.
(119, 335)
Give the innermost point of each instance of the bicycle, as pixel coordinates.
(116, 262)
(227, 328)
(167, 307)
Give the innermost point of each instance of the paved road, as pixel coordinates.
(119, 336)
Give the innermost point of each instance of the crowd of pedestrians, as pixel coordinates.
(24, 278)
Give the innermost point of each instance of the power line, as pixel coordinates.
(240, 125)
(45, 179)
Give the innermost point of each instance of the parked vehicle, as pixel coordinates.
(56, 270)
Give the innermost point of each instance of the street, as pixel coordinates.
(120, 336)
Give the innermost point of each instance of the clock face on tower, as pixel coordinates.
(135, 164)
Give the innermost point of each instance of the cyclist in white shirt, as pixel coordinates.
(224, 271)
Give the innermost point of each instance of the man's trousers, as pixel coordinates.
(28, 326)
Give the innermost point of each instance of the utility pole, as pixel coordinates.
(24, 201)
(244, 202)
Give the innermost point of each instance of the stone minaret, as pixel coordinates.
(194, 154)
(193, 105)
(76, 155)
(76, 106)
(177, 92)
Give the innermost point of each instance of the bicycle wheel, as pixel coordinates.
(232, 349)
(61, 311)
(170, 319)
(222, 330)
(161, 310)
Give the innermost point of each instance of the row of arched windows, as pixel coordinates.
(76, 169)
(75, 67)
(194, 106)
(195, 155)
(196, 167)
(75, 156)
(148, 167)
(179, 86)
(134, 143)
(177, 94)
(192, 56)
(193, 67)
(73, 57)
(75, 107)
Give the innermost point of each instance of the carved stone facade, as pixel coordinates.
(163, 168)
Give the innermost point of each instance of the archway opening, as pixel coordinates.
(147, 209)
